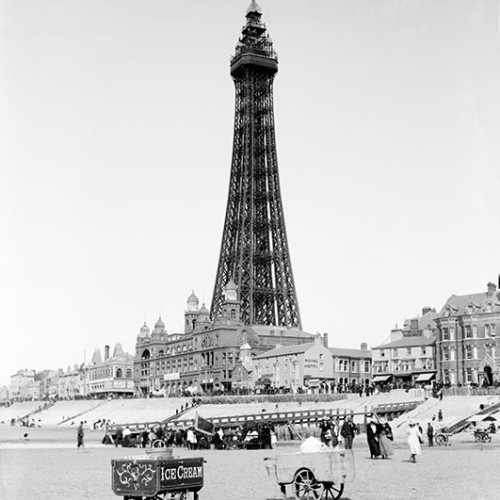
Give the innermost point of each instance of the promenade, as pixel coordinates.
(50, 467)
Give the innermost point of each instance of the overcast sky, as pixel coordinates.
(116, 122)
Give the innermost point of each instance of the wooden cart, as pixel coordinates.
(157, 477)
(313, 476)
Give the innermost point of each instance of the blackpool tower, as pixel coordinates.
(254, 251)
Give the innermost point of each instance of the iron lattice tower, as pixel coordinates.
(254, 251)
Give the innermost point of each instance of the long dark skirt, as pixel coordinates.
(374, 447)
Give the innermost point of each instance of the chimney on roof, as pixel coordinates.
(414, 326)
(106, 352)
(492, 288)
(325, 339)
(427, 309)
(364, 346)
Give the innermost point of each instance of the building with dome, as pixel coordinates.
(203, 358)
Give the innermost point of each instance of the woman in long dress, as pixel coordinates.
(414, 437)
(385, 436)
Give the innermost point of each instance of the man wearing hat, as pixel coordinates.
(372, 437)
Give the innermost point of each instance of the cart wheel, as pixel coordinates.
(332, 491)
(441, 439)
(305, 486)
(486, 438)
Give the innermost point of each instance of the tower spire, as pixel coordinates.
(254, 249)
(254, 7)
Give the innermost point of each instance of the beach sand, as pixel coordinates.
(50, 467)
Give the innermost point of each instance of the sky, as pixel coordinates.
(116, 125)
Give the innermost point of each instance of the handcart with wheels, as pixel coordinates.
(442, 438)
(482, 436)
(313, 476)
(157, 476)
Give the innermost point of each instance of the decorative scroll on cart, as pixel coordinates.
(313, 476)
(157, 478)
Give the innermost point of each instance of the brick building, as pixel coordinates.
(351, 367)
(109, 375)
(294, 367)
(203, 357)
(468, 326)
(409, 355)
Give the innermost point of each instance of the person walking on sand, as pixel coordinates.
(348, 432)
(79, 436)
(414, 439)
(372, 438)
(385, 437)
(430, 433)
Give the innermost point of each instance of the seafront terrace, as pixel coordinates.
(144, 411)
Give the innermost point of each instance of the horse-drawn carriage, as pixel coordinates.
(157, 476)
(313, 476)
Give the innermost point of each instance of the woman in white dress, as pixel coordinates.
(414, 438)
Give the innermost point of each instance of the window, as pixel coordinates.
(367, 367)
(382, 354)
(408, 351)
(423, 351)
(468, 331)
(395, 352)
(489, 330)
(446, 334)
(469, 352)
(446, 354)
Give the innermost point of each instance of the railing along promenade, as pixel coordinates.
(472, 391)
(277, 417)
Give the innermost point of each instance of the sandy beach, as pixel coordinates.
(50, 467)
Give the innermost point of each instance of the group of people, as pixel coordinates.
(379, 436)
(332, 433)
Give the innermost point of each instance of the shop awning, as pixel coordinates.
(425, 377)
(381, 378)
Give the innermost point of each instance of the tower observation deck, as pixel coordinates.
(254, 251)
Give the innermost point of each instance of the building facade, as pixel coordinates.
(409, 356)
(23, 386)
(71, 382)
(468, 326)
(295, 367)
(352, 368)
(109, 376)
(202, 359)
